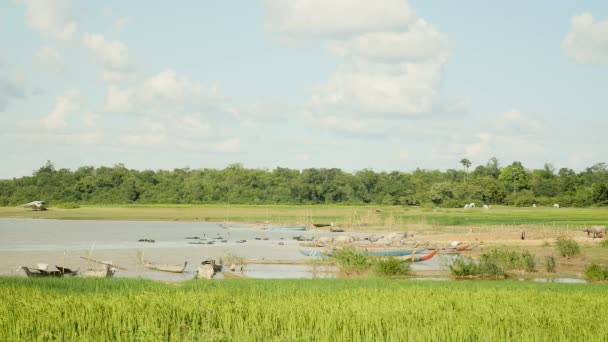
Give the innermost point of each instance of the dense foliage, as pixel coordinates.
(485, 184)
(300, 310)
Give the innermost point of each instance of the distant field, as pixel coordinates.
(300, 310)
(355, 217)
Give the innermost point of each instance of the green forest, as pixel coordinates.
(489, 183)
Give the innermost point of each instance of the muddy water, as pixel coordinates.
(26, 242)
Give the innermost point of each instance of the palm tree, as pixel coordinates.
(465, 165)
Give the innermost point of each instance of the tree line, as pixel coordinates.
(484, 184)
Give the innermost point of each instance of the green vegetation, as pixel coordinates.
(70, 205)
(391, 267)
(351, 261)
(483, 268)
(352, 217)
(303, 310)
(493, 264)
(595, 272)
(512, 185)
(550, 264)
(567, 247)
(604, 243)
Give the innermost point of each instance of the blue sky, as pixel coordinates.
(386, 85)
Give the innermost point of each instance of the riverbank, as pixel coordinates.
(311, 310)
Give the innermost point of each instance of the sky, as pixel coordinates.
(353, 84)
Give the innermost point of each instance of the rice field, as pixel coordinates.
(300, 310)
(355, 217)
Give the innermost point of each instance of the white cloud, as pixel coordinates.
(389, 61)
(515, 122)
(193, 125)
(339, 17)
(165, 93)
(420, 42)
(90, 119)
(587, 40)
(376, 89)
(51, 17)
(113, 55)
(118, 100)
(120, 24)
(50, 58)
(168, 85)
(151, 134)
(65, 104)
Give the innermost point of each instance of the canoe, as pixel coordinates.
(287, 229)
(165, 267)
(419, 258)
(66, 271)
(317, 253)
(392, 251)
(38, 273)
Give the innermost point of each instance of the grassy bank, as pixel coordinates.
(356, 217)
(288, 310)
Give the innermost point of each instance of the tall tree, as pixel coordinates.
(466, 164)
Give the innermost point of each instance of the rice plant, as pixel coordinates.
(299, 310)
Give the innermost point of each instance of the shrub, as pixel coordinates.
(484, 267)
(567, 247)
(596, 272)
(351, 261)
(528, 262)
(604, 243)
(511, 260)
(391, 267)
(550, 263)
(69, 205)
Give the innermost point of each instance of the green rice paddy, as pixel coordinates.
(356, 217)
(300, 310)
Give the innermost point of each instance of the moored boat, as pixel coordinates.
(106, 273)
(419, 258)
(39, 273)
(286, 229)
(392, 251)
(316, 253)
(165, 267)
(66, 271)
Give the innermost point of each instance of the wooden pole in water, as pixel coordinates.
(103, 263)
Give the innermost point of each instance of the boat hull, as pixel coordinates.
(166, 268)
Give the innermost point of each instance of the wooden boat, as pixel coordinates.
(419, 258)
(165, 267)
(392, 251)
(286, 229)
(66, 271)
(106, 273)
(319, 225)
(317, 253)
(38, 273)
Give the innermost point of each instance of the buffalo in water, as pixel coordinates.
(597, 231)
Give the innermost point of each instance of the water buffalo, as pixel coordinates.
(595, 230)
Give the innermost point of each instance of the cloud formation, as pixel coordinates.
(51, 18)
(389, 61)
(587, 40)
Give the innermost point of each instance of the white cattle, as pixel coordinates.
(466, 206)
(556, 206)
(534, 205)
(486, 207)
(472, 205)
(36, 205)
